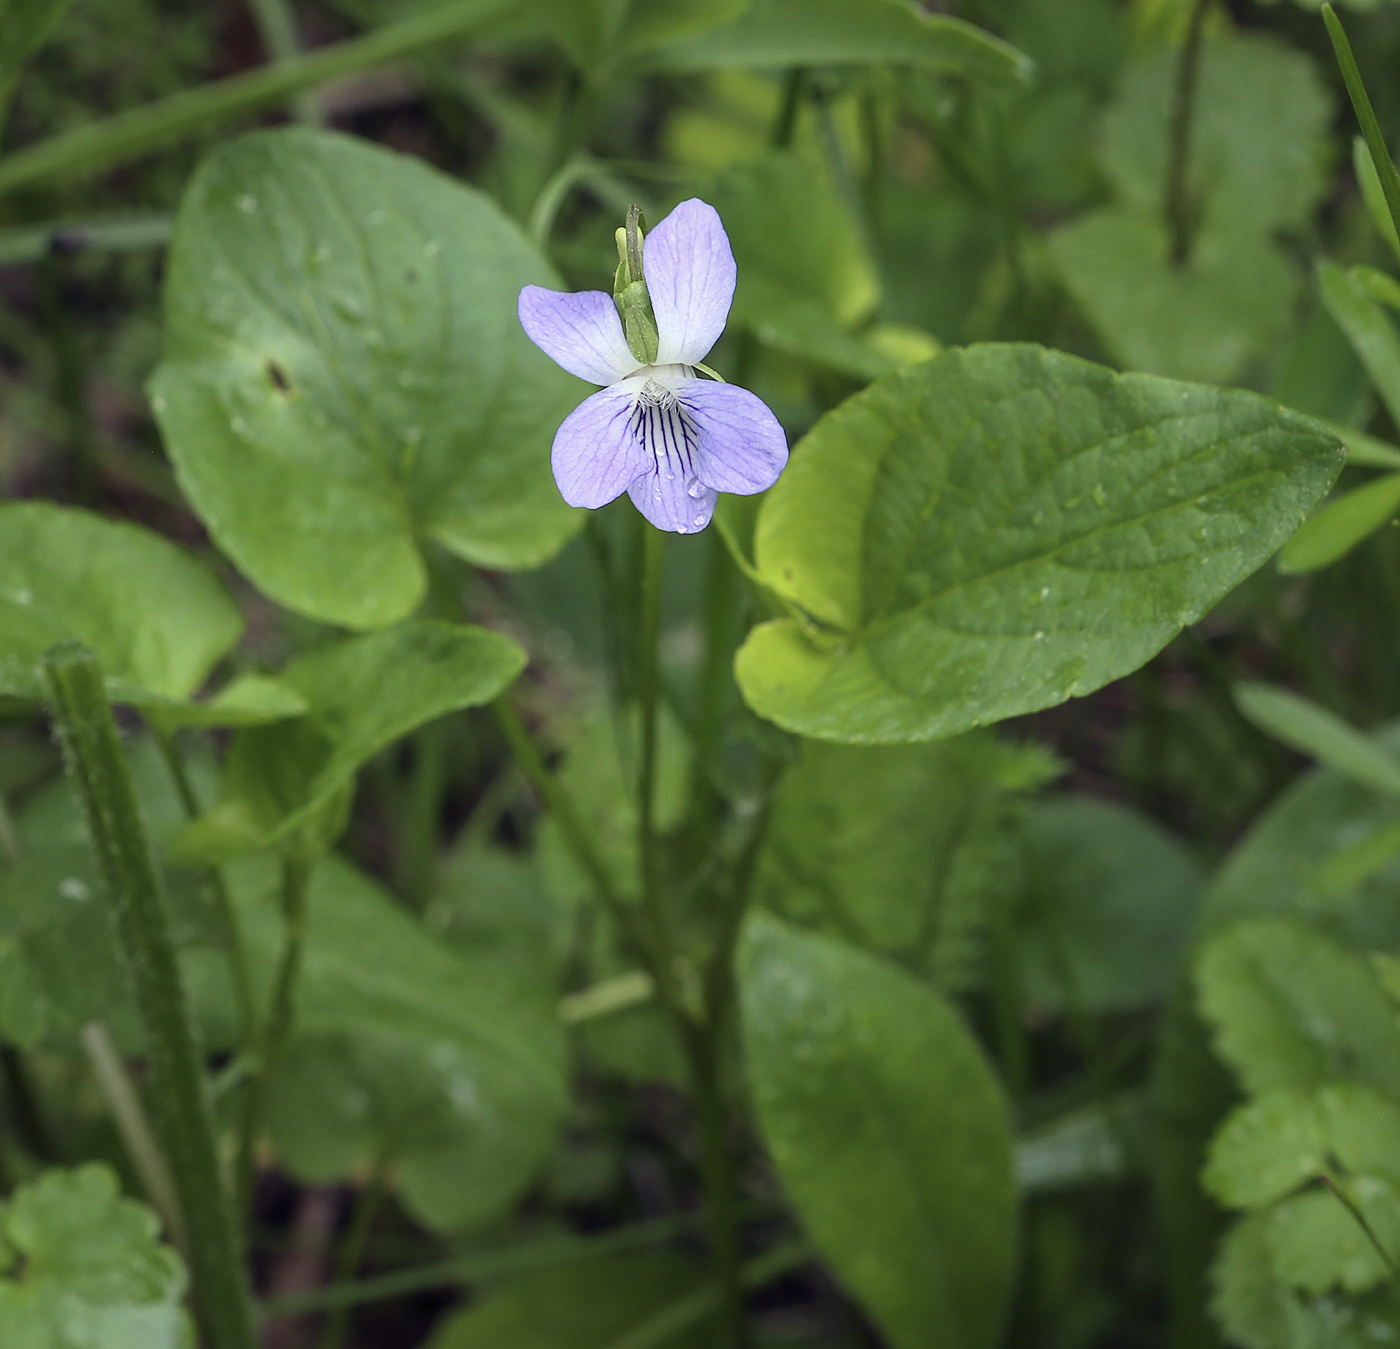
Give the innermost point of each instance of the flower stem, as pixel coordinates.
(648, 688)
(296, 872)
(1365, 113)
(223, 902)
(704, 1050)
(1180, 226)
(83, 718)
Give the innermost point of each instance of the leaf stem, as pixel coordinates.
(278, 30)
(1365, 113)
(1346, 1201)
(296, 872)
(124, 1101)
(240, 977)
(88, 732)
(352, 1251)
(1180, 225)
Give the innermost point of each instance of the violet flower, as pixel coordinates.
(670, 438)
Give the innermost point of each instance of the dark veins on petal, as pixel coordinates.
(665, 430)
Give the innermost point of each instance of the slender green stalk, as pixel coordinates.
(9, 836)
(420, 826)
(119, 234)
(26, 1112)
(278, 30)
(482, 1268)
(723, 611)
(241, 979)
(352, 1251)
(71, 380)
(704, 1046)
(649, 691)
(1178, 205)
(85, 725)
(129, 1115)
(695, 1307)
(785, 124)
(1365, 113)
(575, 832)
(128, 135)
(1346, 1201)
(296, 873)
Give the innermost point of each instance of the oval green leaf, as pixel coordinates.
(890, 1133)
(844, 32)
(345, 376)
(156, 620)
(1340, 525)
(1005, 527)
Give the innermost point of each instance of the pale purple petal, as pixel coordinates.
(741, 448)
(690, 275)
(580, 331)
(676, 502)
(595, 454)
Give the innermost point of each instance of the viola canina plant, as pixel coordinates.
(669, 438)
(951, 903)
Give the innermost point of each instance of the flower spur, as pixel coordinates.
(658, 430)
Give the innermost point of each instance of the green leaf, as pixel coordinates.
(805, 273)
(1254, 1309)
(59, 964)
(1350, 301)
(1260, 146)
(345, 376)
(91, 1273)
(364, 693)
(1112, 898)
(24, 27)
(1304, 725)
(1318, 1246)
(154, 617)
(600, 775)
(1267, 1149)
(847, 32)
(1004, 527)
(1341, 524)
(1373, 193)
(1292, 1009)
(453, 1067)
(889, 1132)
(903, 849)
(1365, 451)
(588, 1305)
(1206, 319)
(1282, 865)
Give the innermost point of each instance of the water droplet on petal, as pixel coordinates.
(694, 486)
(682, 529)
(701, 520)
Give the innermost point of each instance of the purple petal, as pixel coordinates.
(741, 447)
(672, 502)
(690, 274)
(580, 331)
(595, 454)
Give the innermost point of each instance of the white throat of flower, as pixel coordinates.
(662, 424)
